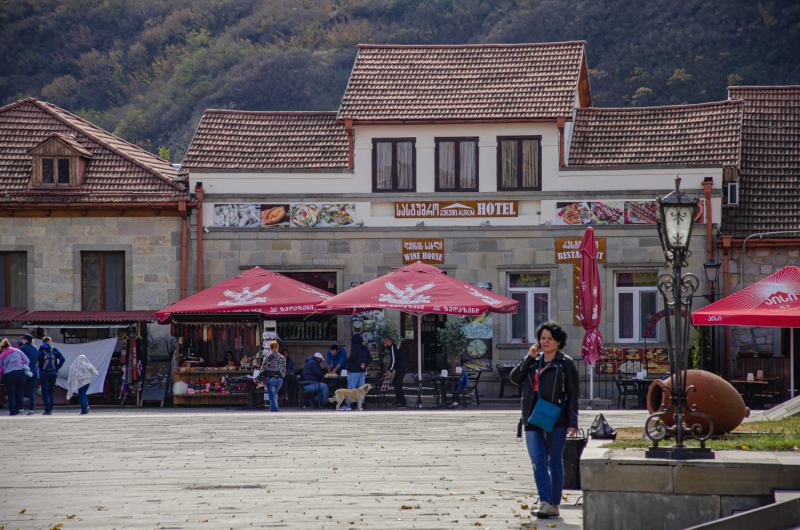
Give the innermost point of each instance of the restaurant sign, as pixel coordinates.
(567, 250)
(450, 209)
(429, 251)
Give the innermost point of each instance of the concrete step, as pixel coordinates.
(784, 410)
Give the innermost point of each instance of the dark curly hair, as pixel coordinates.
(555, 330)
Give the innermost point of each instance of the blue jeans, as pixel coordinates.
(273, 384)
(322, 387)
(48, 384)
(83, 400)
(15, 390)
(355, 380)
(31, 388)
(548, 465)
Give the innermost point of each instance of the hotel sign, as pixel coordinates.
(451, 209)
(429, 251)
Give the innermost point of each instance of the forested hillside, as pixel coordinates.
(146, 70)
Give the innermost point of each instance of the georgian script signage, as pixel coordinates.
(429, 251)
(567, 250)
(444, 209)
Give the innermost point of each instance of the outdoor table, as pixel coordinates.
(334, 383)
(442, 381)
(642, 386)
(749, 388)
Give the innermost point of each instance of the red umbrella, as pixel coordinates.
(772, 302)
(589, 297)
(421, 288)
(253, 291)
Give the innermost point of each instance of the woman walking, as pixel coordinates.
(12, 367)
(550, 381)
(80, 376)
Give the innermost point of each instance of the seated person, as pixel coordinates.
(337, 359)
(313, 374)
(289, 362)
(229, 360)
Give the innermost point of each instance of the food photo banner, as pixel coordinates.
(287, 215)
(611, 213)
(447, 209)
(630, 361)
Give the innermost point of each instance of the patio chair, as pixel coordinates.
(471, 388)
(307, 395)
(376, 392)
(625, 390)
(425, 387)
(769, 392)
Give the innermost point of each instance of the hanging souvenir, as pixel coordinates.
(134, 360)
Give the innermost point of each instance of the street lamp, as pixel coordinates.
(712, 273)
(676, 219)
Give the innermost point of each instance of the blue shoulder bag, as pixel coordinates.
(545, 414)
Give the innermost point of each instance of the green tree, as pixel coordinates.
(132, 126)
(163, 152)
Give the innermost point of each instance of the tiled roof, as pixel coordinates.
(117, 170)
(244, 140)
(12, 314)
(89, 317)
(470, 82)
(687, 134)
(769, 191)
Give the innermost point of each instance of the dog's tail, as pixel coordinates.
(332, 399)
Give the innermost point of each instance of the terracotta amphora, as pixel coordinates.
(715, 397)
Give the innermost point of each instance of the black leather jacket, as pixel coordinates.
(559, 379)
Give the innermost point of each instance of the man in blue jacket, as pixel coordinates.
(357, 366)
(313, 375)
(50, 362)
(32, 354)
(337, 359)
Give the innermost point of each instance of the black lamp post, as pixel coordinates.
(712, 273)
(676, 219)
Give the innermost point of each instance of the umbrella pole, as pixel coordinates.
(791, 363)
(591, 382)
(419, 346)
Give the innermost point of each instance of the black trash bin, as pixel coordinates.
(572, 461)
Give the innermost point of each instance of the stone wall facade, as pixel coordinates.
(758, 263)
(152, 258)
(472, 254)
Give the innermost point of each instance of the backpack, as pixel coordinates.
(48, 364)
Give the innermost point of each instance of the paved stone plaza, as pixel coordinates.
(148, 469)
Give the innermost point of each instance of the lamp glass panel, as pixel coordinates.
(678, 224)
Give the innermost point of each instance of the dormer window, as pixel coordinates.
(58, 161)
(55, 171)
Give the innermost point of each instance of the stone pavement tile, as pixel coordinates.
(261, 470)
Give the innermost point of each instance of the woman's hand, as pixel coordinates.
(533, 352)
(572, 432)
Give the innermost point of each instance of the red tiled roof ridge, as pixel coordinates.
(275, 112)
(457, 46)
(667, 107)
(756, 87)
(50, 109)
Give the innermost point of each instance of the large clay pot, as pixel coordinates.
(715, 397)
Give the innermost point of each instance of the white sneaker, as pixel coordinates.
(547, 510)
(345, 407)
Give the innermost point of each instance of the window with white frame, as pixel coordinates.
(636, 301)
(532, 291)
